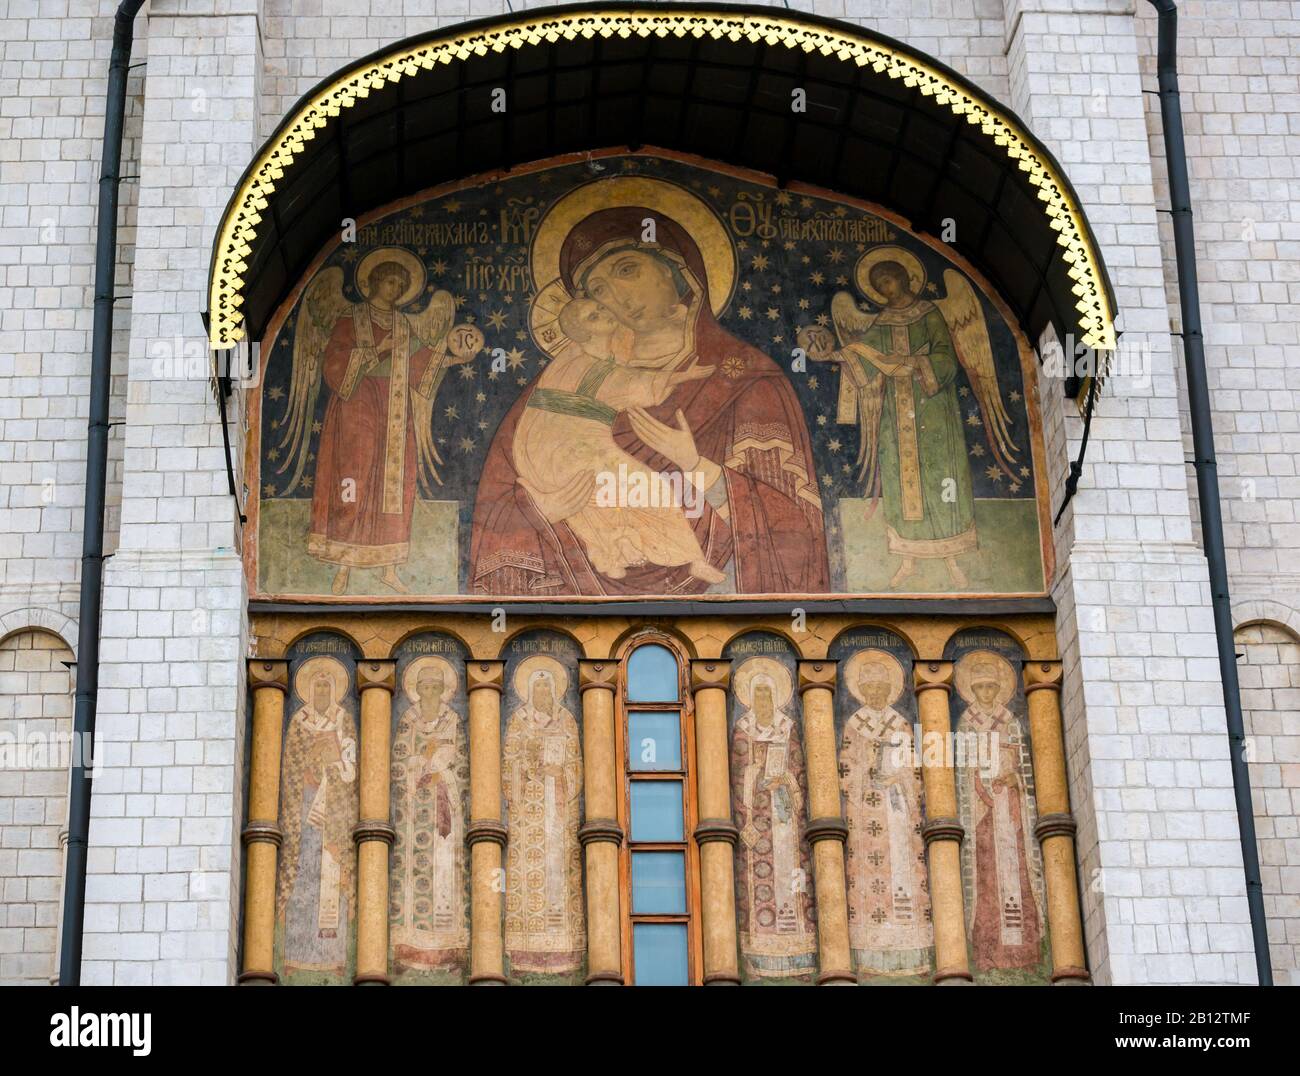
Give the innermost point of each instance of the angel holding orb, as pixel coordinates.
(900, 364)
(381, 362)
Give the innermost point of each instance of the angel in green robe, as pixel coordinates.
(900, 372)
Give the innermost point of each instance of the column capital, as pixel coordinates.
(485, 674)
(597, 673)
(818, 672)
(377, 674)
(1043, 675)
(269, 674)
(710, 672)
(932, 675)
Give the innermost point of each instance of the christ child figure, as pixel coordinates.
(566, 430)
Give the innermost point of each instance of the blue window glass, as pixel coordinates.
(659, 950)
(657, 811)
(658, 883)
(654, 740)
(652, 675)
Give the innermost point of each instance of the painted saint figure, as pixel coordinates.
(773, 898)
(430, 781)
(382, 364)
(890, 931)
(1004, 907)
(545, 926)
(899, 384)
(317, 813)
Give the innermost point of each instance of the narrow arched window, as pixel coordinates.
(659, 870)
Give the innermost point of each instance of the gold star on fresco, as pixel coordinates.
(497, 319)
(507, 298)
(460, 301)
(714, 192)
(846, 468)
(733, 366)
(806, 203)
(826, 480)
(789, 244)
(823, 319)
(993, 472)
(439, 267)
(482, 425)
(275, 424)
(315, 427)
(963, 391)
(467, 444)
(451, 412)
(778, 339)
(745, 313)
(466, 372)
(821, 420)
(841, 280)
(451, 206)
(973, 419)
(417, 211)
(746, 286)
(803, 304)
(1015, 396)
(806, 260)
(812, 382)
(308, 481)
(817, 277)
(977, 450)
(521, 381)
(514, 358)
(759, 262)
(773, 313)
(480, 397)
(834, 444)
(276, 393)
(521, 335)
(268, 490)
(1024, 472)
(929, 286)
(783, 198)
(835, 256)
(1014, 487)
(273, 455)
(776, 289)
(840, 211)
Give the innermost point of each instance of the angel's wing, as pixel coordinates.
(970, 337)
(857, 399)
(430, 326)
(322, 306)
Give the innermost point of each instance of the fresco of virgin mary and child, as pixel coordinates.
(688, 399)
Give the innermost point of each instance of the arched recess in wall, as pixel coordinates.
(35, 731)
(786, 93)
(1268, 664)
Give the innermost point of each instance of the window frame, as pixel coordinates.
(684, 706)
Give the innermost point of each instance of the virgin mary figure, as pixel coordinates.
(738, 435)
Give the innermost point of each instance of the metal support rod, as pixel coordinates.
(92, 532)
(1207, 480)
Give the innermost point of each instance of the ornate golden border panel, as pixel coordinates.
(244, 213)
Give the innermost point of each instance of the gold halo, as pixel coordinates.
(538, 663)
(1006, 675)
(392, 254)
(410, 677)
(311, 668)
(694, 215)
(873, 257)
(853, 673)
(751, 668)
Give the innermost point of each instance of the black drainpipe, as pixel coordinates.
(92, 532)
(1207, 481)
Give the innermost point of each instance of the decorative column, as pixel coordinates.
(1055, 828)
(486, 833)
(374, 833)
(716, 832)
(943, 830)
(269, 681)
(826, 830)
(600, 833)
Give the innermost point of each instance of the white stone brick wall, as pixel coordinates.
(35, 721)
(1163, 893)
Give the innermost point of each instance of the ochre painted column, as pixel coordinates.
(600, 833)
(1055, 828)
(374, 832)
(269, 681)
(486, 833)
(715, 832)
(826, 829)
(943, 829)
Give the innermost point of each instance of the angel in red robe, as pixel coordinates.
(738, 435)
(382, 364)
